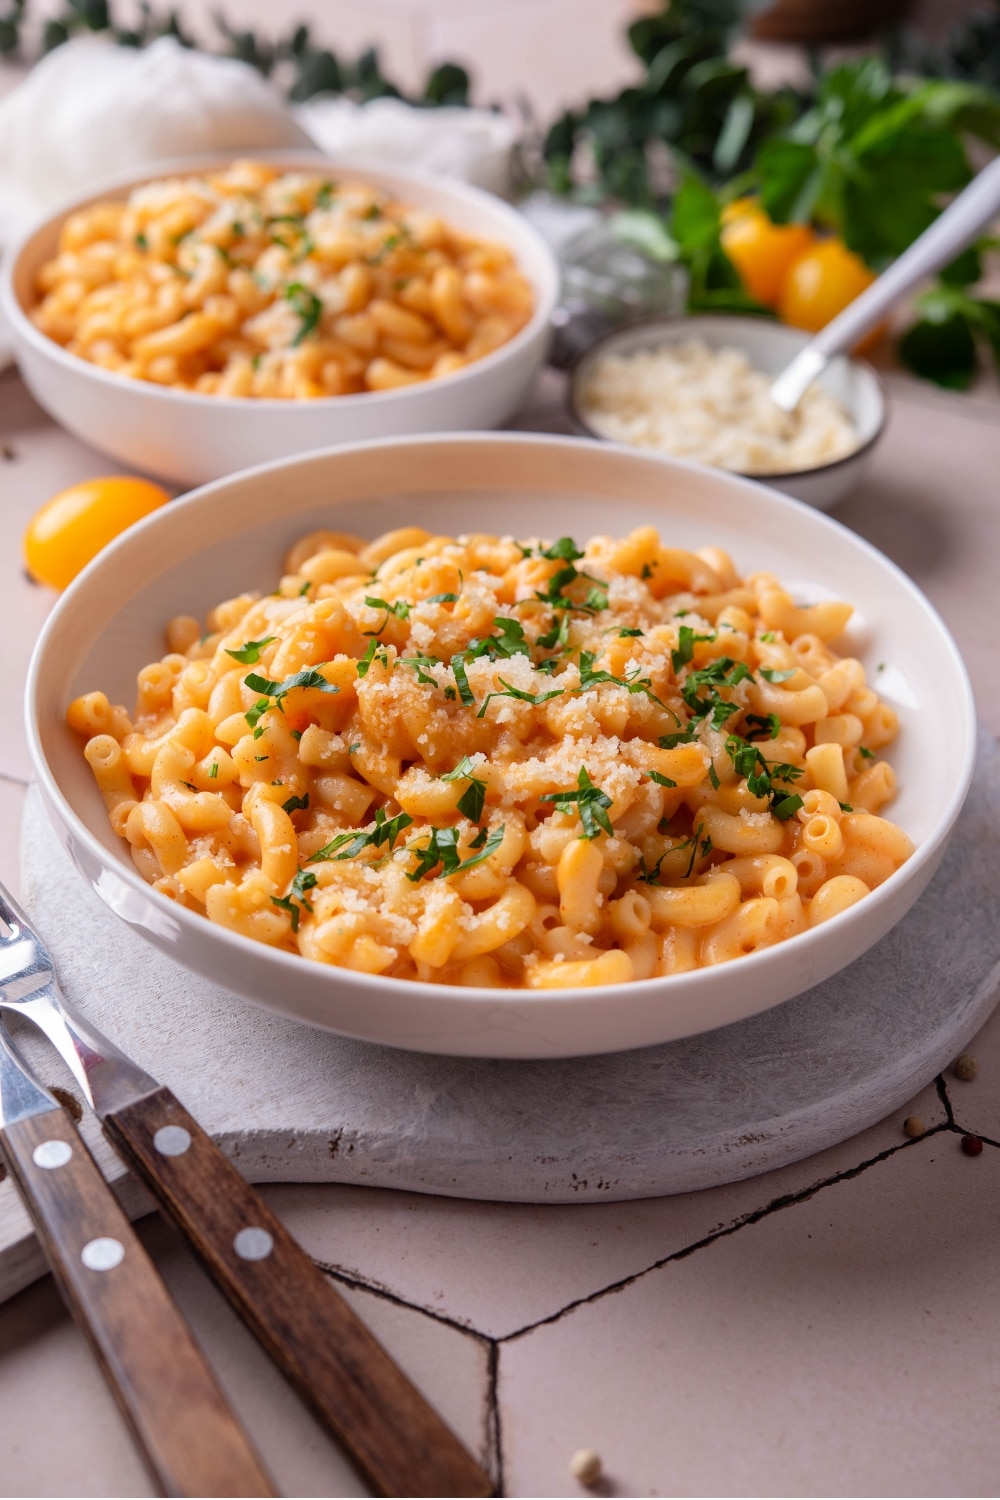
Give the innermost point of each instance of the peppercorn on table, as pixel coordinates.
(721, 1342)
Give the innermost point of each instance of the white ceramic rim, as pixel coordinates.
(521, 231)
(675, 324)
(465, 996)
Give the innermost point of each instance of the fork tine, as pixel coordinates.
(11, 915)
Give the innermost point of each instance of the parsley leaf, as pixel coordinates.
(473, 799)
(274, 692)
(565, 549)
(765, 727)
(629, 630)
(307, 307)
(400, 608)
(296, 804)
(865, 753)
(249, 654)
(660, 779)
(442, 849)
(288, 905)
(633, 682)
(513, 692)
(770, 675)
(374, 651)
(466, 694)
(589, 801)
(420, 663)
(383, 831)
(684, 652)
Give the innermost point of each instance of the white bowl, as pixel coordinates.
(191, 438)
(231, 535)
(769, 347)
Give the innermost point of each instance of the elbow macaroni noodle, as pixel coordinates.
(478, 761)
(256, 282)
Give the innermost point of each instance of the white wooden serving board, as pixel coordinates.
(291, 1104)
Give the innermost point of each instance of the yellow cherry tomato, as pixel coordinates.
(820, 284)
(761, 251)
(75, 524)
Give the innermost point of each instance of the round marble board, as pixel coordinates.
(298, 1105)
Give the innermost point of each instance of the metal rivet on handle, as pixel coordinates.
(253, 1244)
(103, 1254)
(50, 1154)
(171, 1140)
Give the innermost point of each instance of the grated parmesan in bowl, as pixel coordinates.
(710, 405)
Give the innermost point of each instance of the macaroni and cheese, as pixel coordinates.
(482, 761)
(255, 281)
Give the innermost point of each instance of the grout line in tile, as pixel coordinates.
(376, 1288)
(941, 1084)
(788, 1200)
(494, 1447)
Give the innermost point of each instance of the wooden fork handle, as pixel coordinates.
(396, 1439)
(169, 1396)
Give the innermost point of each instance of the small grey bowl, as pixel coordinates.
(769, 347)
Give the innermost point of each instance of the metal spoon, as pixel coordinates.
(957, 227)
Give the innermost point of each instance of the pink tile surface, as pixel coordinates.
(498, 1267)
(79, 1445)
(846, 1345)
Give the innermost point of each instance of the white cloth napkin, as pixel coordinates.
(92, 109)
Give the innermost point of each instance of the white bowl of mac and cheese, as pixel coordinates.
(216, 314)
(501, 745)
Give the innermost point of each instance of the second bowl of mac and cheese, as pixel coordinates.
(221, 313)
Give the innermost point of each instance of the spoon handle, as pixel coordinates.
(957, 227)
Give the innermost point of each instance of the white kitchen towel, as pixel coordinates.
(92, 109)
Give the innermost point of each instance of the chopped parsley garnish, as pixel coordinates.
(383, 831)
(142, 241)
(597, 597)
(660, 779)
(190, 786)
(513, 692)
(372, 212)
(684, 652)
(400, 608)
(648, 569)
(589, 801)
(249, 654)
(462, 683)
(764, 726)
(681, 737)
(420, 663)
(305, 588)
(558, 637)
(723, 672)
(296, 734)
(442, 599)
(274, 692)
(761, 775)
(768, 636)
(296, 804)
(307, 307)
(303, 881)
(287, 904)
(865, 753)
(629, 630)
(633, 682)
(325, 195)
(213, 770)
(565, 550)
(473, 799)
(713, 776)
(442, 849)
(845, 807)
(770, 675)
(374, 652)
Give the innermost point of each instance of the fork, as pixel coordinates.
(394, 1436)
(188, 1436)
